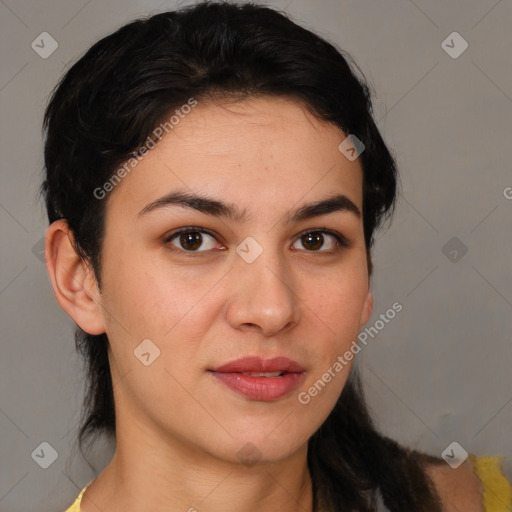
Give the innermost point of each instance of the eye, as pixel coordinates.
(191, 239)
(330, 241)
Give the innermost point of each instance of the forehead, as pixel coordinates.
(260, 152)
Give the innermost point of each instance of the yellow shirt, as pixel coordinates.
(497, 494)
(76, 505)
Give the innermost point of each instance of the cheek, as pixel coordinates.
(152, 299)
(337, 302)
(174, 313)
(172, 307)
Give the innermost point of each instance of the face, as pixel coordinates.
(254, 270)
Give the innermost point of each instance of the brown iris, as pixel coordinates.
(191, 240)
(313, 241)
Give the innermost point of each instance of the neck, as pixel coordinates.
(146, 473)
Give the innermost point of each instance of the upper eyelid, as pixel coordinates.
(192, 229)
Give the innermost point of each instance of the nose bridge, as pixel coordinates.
(263, 295)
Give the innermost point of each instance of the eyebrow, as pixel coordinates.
(210, 206)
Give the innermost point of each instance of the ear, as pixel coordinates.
(367, 308)
(73, 279)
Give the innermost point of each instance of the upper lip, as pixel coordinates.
(258, 364)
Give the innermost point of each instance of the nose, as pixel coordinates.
(262, 297)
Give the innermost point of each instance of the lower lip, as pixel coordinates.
(265, 389)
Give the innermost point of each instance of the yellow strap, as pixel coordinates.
(76, 505)
(497, 489)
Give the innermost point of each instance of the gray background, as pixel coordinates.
(440, 370)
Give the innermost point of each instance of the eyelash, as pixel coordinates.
(342, 242)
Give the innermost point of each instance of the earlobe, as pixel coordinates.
(367, 308)
(72, 279)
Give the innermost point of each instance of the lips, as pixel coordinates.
(260, 365)
(261, 379)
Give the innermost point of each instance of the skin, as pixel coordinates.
(179, 431)
(460, 489)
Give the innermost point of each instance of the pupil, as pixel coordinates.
(313, 240)
(191, 240)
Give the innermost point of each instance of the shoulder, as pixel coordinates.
(460, 489)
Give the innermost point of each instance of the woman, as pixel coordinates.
(214, 183)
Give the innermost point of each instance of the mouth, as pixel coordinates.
(261, 379)
(255, 364)
(263, 374)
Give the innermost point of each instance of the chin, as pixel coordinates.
(259, 448)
